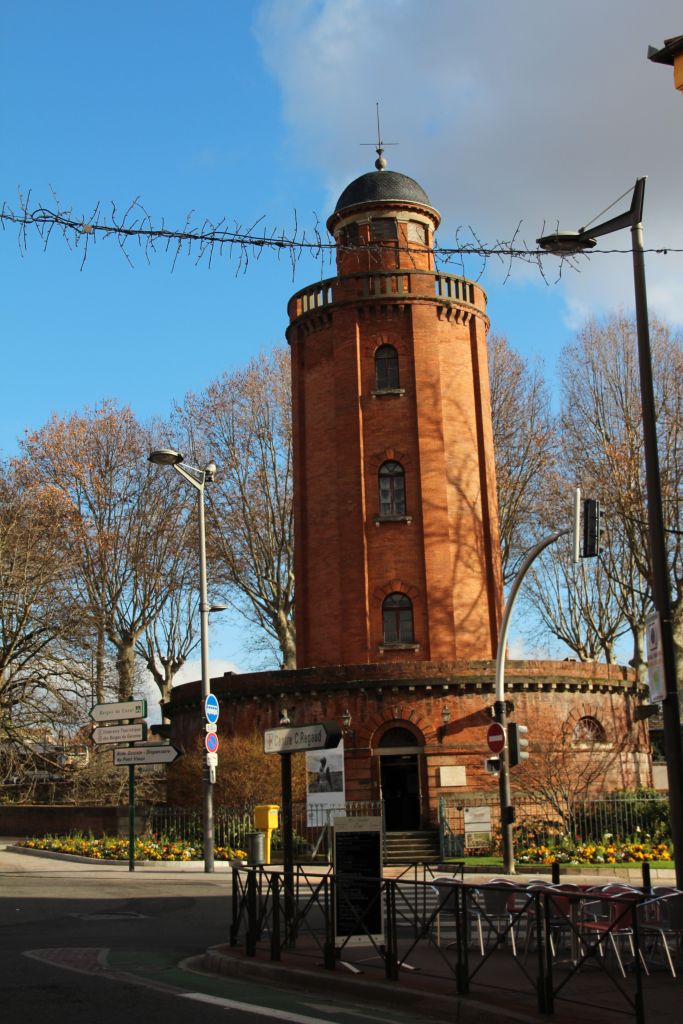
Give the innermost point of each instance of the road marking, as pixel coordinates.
(354, 1013)
(265, 1011)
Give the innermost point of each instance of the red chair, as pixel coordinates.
(660, 921)
(610, 919)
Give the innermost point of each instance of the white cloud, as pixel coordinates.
(540, 112)
(189, 673)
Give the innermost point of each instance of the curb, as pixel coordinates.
(76, 858)
(464, 1010)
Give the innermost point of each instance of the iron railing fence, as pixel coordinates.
(471, 823)
(548, 945)
(312, 825)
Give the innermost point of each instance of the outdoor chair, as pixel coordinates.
(660, 921)
(445, 889)
(495, 909)
(561, 919)
(609, 919)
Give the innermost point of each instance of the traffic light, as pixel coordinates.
(492, 765)
(518, 744)
(591, 528)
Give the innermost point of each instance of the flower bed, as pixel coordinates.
(116, 848)
(595, 853)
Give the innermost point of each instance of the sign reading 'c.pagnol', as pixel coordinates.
(290, 738)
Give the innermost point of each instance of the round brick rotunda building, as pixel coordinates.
(397, 558)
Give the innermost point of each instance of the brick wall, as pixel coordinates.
(548, 697)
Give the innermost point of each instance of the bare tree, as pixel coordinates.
(579, 761)
(602, 437)
(524, 443)
(580, 605)
(125, 527)
(243, 421)
(168, 641)
(42, 685)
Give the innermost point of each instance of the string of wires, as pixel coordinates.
(207, 239)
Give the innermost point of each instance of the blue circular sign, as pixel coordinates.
(211, 742)
(211, 708)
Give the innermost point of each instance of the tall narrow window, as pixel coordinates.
(397, 619)
(386, 368)
(392, 490)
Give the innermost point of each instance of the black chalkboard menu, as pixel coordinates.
(358, 904)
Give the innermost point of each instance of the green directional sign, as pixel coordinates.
(119, 711)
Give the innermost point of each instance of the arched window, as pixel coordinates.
(588, 730)
(398, 737)
(386, 368)
(397, 619)
(392, 490)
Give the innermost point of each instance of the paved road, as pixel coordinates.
(95, 942)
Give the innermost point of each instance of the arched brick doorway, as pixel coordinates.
(399, 753)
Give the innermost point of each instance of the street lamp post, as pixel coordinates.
(568, 243)
(198, 478)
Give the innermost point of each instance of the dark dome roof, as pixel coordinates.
(382, 186)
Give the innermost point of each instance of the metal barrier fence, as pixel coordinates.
(312, 825)
(549, 945)
(618, 816)
(621, 816)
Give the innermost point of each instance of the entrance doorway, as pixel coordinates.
(400, 781)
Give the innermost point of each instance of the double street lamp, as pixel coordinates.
(198, 478)
(567, 244)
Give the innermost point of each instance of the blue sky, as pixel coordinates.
(504, 111)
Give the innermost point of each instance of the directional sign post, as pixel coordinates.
(285, 741)
(288, 739)
(155, 753)
(119, 712)
(120, 733)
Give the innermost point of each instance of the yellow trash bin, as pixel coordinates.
(267, 819)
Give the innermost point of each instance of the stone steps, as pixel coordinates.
(406, 847)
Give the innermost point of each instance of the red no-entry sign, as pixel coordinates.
(495, 737)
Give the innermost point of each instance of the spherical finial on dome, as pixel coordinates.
(380, 162)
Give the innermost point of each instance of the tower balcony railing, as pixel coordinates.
(403, 284)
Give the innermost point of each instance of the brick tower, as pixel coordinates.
(397, 551)
(399, 594)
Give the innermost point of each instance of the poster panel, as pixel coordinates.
(325, 787)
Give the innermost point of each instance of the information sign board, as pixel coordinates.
(655, 658)
(358, 903)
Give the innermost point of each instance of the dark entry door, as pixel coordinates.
(400, 792)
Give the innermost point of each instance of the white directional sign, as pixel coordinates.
(117, 712)
(120, 733)
(155, 753)
(290, 738)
